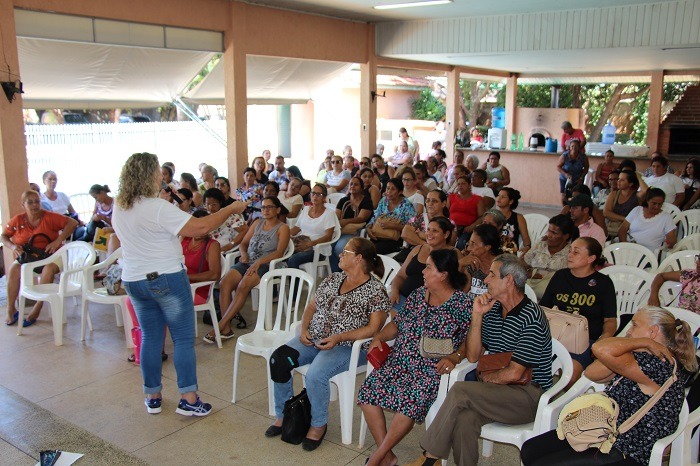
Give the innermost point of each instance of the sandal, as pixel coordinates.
(15, 316)
(209, 338)
(131, 358)
(28, 322)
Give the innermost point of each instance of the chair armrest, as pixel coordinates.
(550, 413)
(198, 285)
(27, 270)
(459, 372)
(676, 438)
(355, 353)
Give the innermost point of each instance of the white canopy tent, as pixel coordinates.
(271, 81)
(60, 74)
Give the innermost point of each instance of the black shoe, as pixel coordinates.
(241, 322)
(311, 445)
(273, 431)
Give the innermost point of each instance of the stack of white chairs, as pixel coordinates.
(72, 258)
(688, 223)
(292, 285)
(84, 205)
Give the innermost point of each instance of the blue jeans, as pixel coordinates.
(166, 300)
(338, 250)
(324, 365)
(299, 258)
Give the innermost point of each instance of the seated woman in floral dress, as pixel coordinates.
(408, 383)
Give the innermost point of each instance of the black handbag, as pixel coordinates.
(31, 253)
(296, 418)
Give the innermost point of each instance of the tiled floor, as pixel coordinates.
(85, 397)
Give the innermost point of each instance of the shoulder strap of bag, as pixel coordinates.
(641, 412)
(31, 240)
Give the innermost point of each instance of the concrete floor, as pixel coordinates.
(85, 397)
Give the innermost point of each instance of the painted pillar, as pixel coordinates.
(451, 112)
(235, 96)
(511, 105)
(368, 104)
(13, 151)
(656, 91)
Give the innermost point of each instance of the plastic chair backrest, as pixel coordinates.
(681, 260)
(530, 293)
(334, 198)
(537, 225)
(290, 285)
(689, 242)
(671, 209)
(688, 223)
(631, 254)
(83, 204)
(391, 269)
(632, 287)
(669, 293)
(75, 256)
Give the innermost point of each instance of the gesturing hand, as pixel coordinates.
(483, 304)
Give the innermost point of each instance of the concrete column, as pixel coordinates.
(13, 152)
(368, 104)
(235, 95)
(656, 91)
(511, 105)
(451, 112)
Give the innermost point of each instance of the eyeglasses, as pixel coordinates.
(431, 201)
(316, 193)
(33, 202)
(364, 163)
(407, 179)
(347, 251)
(268, 207)
(337, 161)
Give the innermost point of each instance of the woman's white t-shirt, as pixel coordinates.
(290, 202)
(148, 235)
(315, 228)
(60, 205)
(649, 232)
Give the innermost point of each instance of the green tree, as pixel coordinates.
(427, 107)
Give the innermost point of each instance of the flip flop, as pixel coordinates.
(28, 323)
(15, 316)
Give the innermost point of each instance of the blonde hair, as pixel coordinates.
(677, 333)
(137, 179)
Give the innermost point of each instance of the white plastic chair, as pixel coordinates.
(289, 308)
(207, 304)
(71, 258)
(518, 434)
(632, 287)
(344, 384)
(671, 209)
(632, 254)
(681, 260)
(391, 269)
(84, 205)
(334, 198)
(688, 223)
(530, 293)
(319, 268)
(232, 257)
(589, 178)
(669, 293)
(537, 225)
(99, 295)
(691, 242)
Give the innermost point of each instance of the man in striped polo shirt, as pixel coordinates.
(503, 320)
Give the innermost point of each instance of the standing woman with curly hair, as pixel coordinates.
(155, 277)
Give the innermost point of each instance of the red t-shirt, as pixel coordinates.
(20, 230)
(195, 259)
(464, 212)
(577, 134)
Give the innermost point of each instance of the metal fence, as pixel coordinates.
(83, 155)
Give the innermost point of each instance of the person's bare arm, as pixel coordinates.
(7, 242)
(659, 280)
(671, 238)
(609, 327)
(296, 208)
(68, 230)
(527, 241)
(693, 199)
(560, 167)
(608, 210)
(196, 227)
(506, 178)
(412, 236)
(400, 277)
(622, 232)
(678, 200)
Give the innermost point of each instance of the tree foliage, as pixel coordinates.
(427, 107)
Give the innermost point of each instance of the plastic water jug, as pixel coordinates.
(609, 134)
(550, 145)
(498, 117)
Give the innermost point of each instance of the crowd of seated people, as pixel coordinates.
(420, 209)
